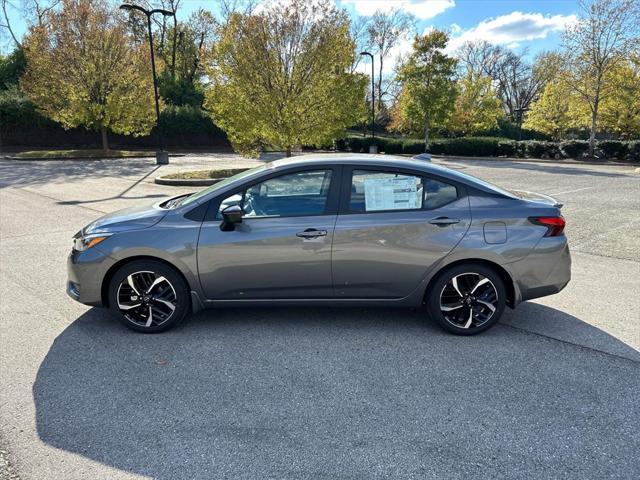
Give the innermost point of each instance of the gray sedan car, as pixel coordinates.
(327, 230)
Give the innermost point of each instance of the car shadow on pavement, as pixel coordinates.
(327, 393)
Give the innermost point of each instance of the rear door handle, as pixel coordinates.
(444, 221)
(311, 233)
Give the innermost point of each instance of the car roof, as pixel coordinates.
(383, 160)
(351, 159)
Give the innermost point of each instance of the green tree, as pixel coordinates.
(556, 111)
(428, 89)
(12, 67)
(181, 82)
(477, 107)
(620, 112)
(606, 33)
(83, 69)
(280, 77)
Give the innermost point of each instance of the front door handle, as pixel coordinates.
(444, 221)
(311, 233)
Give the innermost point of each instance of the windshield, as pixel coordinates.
(223, 183)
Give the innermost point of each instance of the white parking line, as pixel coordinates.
(571, 191)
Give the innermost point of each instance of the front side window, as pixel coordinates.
(291, 195)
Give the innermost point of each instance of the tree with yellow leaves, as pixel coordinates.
(281, 77)
(83, 69)
(561, 109)
(556, 111)
(620, 111)
(477, 107)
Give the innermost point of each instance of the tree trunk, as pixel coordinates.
(592, 133)
(426, 135)
(105, 139)
(288, 151)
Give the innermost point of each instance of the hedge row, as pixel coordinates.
(496, 147)
(22, 125)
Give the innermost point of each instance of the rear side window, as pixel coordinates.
(379, 191)
(438, 194)
(375, 191)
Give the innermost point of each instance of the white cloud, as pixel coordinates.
(455, 28)
(420, 8)
(512, 28)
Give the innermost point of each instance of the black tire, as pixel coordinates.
(474, 315)
(170, 291)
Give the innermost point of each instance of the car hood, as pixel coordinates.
(133, 218)
(537, 197)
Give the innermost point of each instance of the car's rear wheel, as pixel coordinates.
(149, 296)
(466, 299)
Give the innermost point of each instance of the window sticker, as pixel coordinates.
(391, 193)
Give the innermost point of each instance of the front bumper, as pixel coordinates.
(85, 274)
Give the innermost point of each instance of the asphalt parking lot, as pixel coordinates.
(551, 392)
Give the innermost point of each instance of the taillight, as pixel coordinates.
(555, 225)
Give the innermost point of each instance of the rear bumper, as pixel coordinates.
(85, 273)
(545, 271)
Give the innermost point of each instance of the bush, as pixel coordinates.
(633, 151)
(613, 149)
(390, 145)
(18, 112)
(466, 146)
(492, 147)
(437, 147)
(573, 148)
(541, 149)
(413, 147)
(187, 119)
(359, 144)
(342, 145)
(507, 148)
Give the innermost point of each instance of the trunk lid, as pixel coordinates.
(537, 198)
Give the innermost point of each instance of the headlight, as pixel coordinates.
(84, 242)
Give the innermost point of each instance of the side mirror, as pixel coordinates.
(231, 215)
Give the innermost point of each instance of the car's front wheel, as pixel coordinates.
(466, 299)
(149, 296)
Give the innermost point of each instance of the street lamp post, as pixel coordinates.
(373, 148)
(519, 114)
(162, 156)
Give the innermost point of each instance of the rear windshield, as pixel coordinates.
(487, 185)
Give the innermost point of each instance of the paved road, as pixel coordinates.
(551, 392)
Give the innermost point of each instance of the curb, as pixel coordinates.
(84, 159)
(186, 182)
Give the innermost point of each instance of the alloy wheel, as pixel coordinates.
(146, 299)
(468, 300)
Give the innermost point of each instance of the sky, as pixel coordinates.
(529, 26)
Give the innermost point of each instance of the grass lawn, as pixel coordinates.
(75, 154)
(206, 174)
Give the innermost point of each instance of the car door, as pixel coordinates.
(282, 247)
(393, 225)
